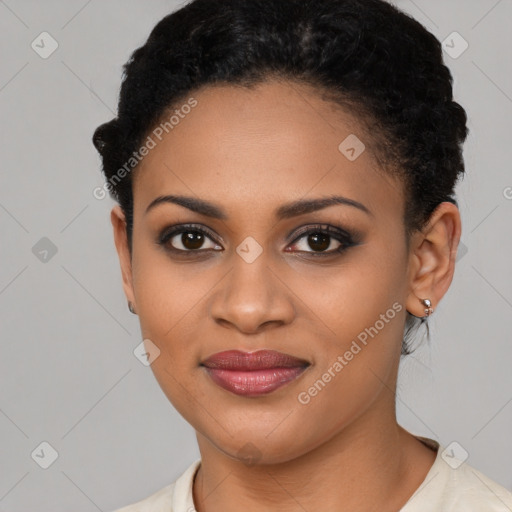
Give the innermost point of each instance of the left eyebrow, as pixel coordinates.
(310, 205)
(285, 211)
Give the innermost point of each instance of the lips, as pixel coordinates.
(253, 373)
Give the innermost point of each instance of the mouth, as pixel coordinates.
(253, 373)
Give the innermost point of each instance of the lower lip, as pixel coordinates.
(255, 382)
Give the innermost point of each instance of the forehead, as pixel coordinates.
(253, 148)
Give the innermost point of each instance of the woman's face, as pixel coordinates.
(255, 281)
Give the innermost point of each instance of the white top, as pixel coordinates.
(450, 486)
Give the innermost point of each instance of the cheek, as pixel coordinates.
(171, 307)
(360, 319)
(169, 313)
(354, 368)
(361, 302)
(345, 299)
(167, 293)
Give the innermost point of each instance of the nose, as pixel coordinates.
(252, 298)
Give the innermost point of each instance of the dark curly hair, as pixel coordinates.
(366, 55)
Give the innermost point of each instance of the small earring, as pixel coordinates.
(131, 308)
(428, 306)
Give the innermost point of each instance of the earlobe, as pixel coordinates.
(118, 221)
(432, 260)
(427, 309)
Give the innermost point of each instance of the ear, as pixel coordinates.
(432, 258)
(118, 220)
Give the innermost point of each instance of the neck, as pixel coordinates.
(373, 463)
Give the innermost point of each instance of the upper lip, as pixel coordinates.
(247, 361)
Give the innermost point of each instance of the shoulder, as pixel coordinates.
(452, 485)
(160, 500)
(175, 497)
(468, 489)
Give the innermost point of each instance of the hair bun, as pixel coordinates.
(106, 135)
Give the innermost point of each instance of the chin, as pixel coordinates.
(258, 448)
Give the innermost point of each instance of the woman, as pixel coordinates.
(285, 174)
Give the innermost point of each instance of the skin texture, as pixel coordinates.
(250, 151)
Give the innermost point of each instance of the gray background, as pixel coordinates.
(69, 376)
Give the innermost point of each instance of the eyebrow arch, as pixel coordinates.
(285, 211)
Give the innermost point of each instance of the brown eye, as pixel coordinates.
(322, 240)
(192, 240)
(188, 239)
(319, 241)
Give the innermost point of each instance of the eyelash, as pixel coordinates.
(345, 238)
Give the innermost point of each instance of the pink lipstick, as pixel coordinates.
(253, 373)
